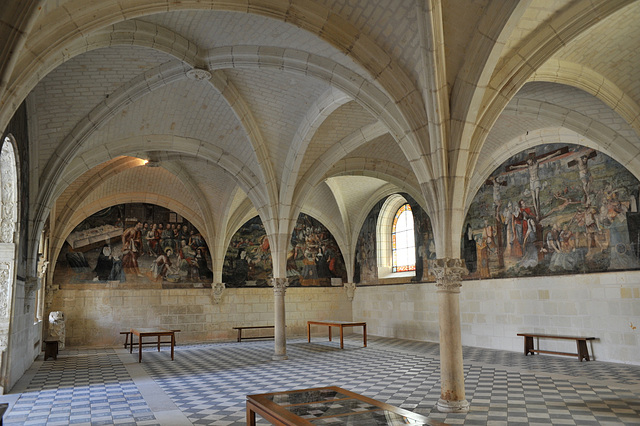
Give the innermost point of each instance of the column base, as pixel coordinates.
(280, 357)
(452, 406)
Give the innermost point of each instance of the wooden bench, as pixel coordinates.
(583, 350)
(128, 340)
(241, 337)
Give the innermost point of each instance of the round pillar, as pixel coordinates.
(279, 290)
(448, 273)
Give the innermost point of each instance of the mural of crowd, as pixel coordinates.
(137, 244)
(314, 258)
(248, 258)
(555, 209)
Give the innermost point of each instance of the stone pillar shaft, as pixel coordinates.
(279, 290)
(448, 273)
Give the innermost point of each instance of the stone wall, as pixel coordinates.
(606, 306)
(94, 318)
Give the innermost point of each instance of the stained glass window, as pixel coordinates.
(403, 240)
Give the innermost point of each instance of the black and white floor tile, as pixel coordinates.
(207, 384)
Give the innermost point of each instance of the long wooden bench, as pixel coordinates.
(251, 327)
(128, 339)
(583, 350)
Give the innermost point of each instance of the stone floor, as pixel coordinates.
(207, 384)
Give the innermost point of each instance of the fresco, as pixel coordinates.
(366, 265)
(137, 244)
(365, 270)
(555, 209)
(313, 259)
(248, 258)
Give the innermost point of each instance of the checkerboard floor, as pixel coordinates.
(207, 384)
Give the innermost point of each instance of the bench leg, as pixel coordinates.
(126, 340)
(329, 333)
(583, 351)
(528, 345)
(239, 335)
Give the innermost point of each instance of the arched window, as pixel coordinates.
(403, 239)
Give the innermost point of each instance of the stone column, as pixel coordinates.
(279, 289)
(448, 273)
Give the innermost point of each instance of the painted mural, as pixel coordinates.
(366, 265)
(135, 244)
(314, 258)
(365, 270)
(248, 258)
(555, 209)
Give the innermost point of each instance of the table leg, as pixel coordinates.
(341, 337)
(309, 332)
(126, 340)
(173, 344)
(364, 335)
(131, 344)
(251, 417)
(158, 343)
(140, 348)
(239, 335)
(329, 333)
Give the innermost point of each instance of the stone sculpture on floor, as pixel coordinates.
(57, 327)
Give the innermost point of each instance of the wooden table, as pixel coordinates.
(151, 332)
(341, 325)
(327, 405)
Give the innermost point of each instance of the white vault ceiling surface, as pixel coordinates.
(211, 160)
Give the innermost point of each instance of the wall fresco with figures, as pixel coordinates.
(248, 258)
(313, 259)
(555, 209)
(136, 244)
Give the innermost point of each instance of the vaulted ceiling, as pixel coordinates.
(272, 108)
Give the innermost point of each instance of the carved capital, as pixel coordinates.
(350, 289)
(279, 286)
(216, 292)
(42, 267)
(448, 273)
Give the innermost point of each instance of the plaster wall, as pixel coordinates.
(95, 318)
(493, 312)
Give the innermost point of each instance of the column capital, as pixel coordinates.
(279, 286)
(350, 288)
(42, 267)
(216, 292)
(448, 272)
